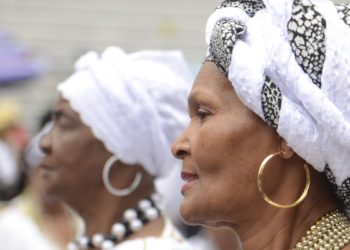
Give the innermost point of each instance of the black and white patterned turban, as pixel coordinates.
(289, 62)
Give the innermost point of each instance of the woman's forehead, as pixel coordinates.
(63, 106)
(61, 101)
(211, 81)
(211, 71)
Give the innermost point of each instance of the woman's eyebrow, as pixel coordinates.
(58, 113)
(191, 99)
(194, 96)
(202, 97)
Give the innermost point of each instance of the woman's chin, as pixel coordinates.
(53, 189)
(189, 213)
(194, 213)
(52, 192)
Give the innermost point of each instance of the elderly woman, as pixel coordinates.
(113, 126)
(267, 151)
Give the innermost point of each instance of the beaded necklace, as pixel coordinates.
(133, 220)
(332, 231)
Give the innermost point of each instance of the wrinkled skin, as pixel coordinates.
(224, 145)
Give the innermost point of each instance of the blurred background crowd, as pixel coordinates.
(43, 39)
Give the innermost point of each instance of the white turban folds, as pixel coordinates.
(289, 62)
(134, 103)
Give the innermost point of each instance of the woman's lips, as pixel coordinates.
(46, 167)
(190, 179)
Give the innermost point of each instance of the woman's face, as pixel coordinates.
(74, 157)
(221, 149)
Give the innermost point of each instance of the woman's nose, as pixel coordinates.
(45, 142)
(181, 147)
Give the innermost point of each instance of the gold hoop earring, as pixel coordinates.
(264, 195)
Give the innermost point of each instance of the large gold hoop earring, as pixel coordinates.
(264, 195)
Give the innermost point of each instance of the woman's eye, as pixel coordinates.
(64, 124)
(202, 114)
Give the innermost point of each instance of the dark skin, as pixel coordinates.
(224, 146)
(72, 171)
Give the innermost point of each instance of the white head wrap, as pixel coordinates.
(289, 62)
(134, 103)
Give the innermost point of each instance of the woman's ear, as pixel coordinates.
(286, 152)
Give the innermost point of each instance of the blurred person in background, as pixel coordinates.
(13, 139)
(113, 126)
(17, 64)
(11, 180)
(42, 222)
(11, 130)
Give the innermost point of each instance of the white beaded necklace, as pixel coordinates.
(134, 219)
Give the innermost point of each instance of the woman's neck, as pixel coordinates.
(274, 228)
(100, 215)
(105, 210)
(281, 228)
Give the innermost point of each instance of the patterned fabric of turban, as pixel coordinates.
(289, 62)
(134, 103)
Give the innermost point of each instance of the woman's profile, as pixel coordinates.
(267, 151)
(113, 126)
